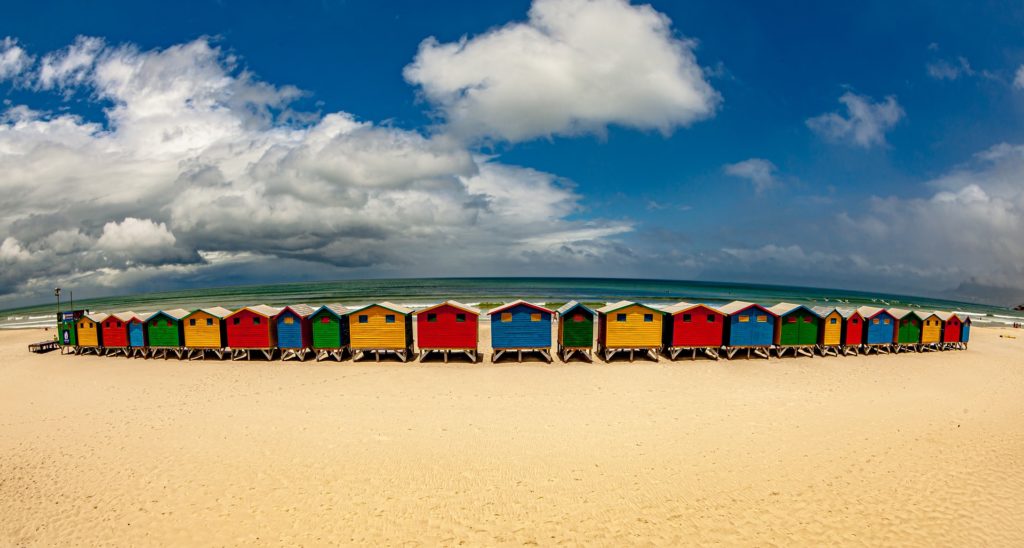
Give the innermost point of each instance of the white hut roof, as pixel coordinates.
(518, 302)
(176, 313)
(684, 306)
(453, 304)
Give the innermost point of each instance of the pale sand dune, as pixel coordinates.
(924, 449)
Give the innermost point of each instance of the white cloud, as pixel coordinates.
(71, 65)
(193, 163)
(575, 66)
(760, 172)
(1018, 79)
(864, 124)
(13, 59)
(945, 70)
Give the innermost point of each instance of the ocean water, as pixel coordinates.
(487, 292)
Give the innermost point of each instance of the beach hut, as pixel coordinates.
(931, 331)
(951, 329)
(330, 331)
(830, 334)
(879, 329)
(965, 332)
(907, 335)
(90, 337)
(627, 326)
(797, 329)
(448, 327)
(66, 335)
(520, 327)
(205, 332)
(381, 328)
(853, 331)
(695, 328)
(115, 331)
(252, 328)
(294, 331)
(751, 327)
(166, 333)
(576, 330)
(136, 335)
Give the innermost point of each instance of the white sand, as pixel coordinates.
(921, 449)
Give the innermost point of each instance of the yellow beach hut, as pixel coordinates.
(381, 328)
(831, 336)
(931, 330)
(205, 331)
(627, 326)
(89, 338)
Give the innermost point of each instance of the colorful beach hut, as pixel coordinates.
(879, 329)
(520, 327)
(931, 331)
(116, 333)
(381, 328)
(166, 333)
(853, 331)
(66, 335)
(576, 330)
(951, 329)
(830, 332)
(694, 328)
(330, 331)
(90, 337)
(448, 327)
(627, 326)
(294, 331)
(797, 329)
(250, 329)
(205, 332)
(751, 327)
(907, 335)
(965, 332)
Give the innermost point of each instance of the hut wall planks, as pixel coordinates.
(526, 327)
(203, 330)
(447, 327)
(164, 331)
(633, 326)
(371, 329)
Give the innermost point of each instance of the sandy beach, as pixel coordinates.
(920, 449)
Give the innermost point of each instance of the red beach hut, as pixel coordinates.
(446, 327)
(252, 328)
(115, 332)
(694, 327)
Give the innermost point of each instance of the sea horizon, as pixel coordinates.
(491, 291)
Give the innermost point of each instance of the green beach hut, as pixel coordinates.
(330, 331)
(66, 334)
(908, 329)
(575, 330)
(797, 329)
(166, 333)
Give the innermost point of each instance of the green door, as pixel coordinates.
(808, 328)
(577, 330)
(66, 334)
(790, 330)
(326, 331)
(910, 330)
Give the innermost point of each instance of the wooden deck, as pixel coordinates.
(43, 347)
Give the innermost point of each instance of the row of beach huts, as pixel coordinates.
(623, 328)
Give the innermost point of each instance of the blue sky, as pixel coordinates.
(869, 146)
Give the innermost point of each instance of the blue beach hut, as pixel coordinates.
(136, 333)
(750, 326)
(521, 326)
(879, 327)
(294, 333)
(965, 332)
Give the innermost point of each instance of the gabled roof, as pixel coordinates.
(301, 310)
(946, 316)
(736, 306)
(215, 311)
(825, 311)
(871, 311)
(516, 303)
(900, 313)
(848, 313)
(174, 313)
(684, 306)
(336, 309)
(607, 309)
(127, 316)
(925, 314)
(569, 306)
(783, 309)
(97, 317)
(390, 306)
(261, 309)
(453, 304)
